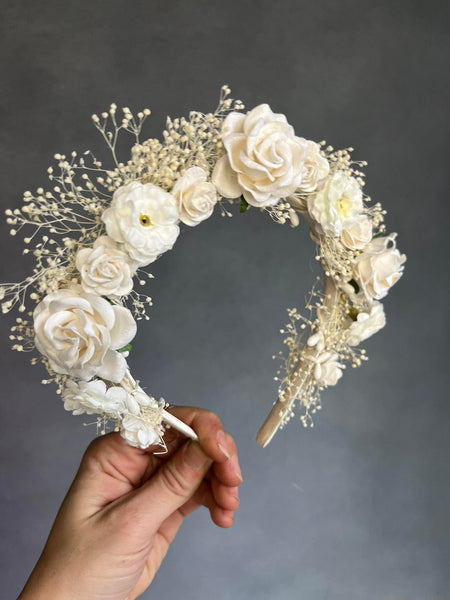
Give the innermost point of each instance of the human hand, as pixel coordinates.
(125, 507)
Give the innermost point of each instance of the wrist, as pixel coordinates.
(45, 583)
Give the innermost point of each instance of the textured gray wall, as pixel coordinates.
(356, 508)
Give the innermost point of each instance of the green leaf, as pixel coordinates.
(126, 348)
(244, 205)
(355, 286)
(108, 300)
(353, 313)
(377, 235)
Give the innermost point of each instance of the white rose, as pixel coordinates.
(315, 169)
(195, 196)
(105, 270)
(357, 235)
(142, 217)
(264, 160)
(379, 267)
(137, 432)
(93, 397)
(366, 324)
(337, 204)
(328, 370)
(79, 333)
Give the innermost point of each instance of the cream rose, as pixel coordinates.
(79, 333)
(337, 204)
(105, 270)
(315, 169)
(264, 159)
(144, 218)
(379, 267)
(195, 196)
(93, 397)
(357, 235)
(366, 324)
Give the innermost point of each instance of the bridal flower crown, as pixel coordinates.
(97, 228)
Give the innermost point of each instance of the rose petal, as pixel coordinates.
(113, 367)
(124, 328)
(225, 179)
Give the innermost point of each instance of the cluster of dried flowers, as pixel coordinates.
(96, 229)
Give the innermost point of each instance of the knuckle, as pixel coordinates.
(174, 480)
(92, 455)
(98, 449)
(230, 443)
(210, 421)
(204, 414)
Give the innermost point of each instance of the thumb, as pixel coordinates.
(173, 484)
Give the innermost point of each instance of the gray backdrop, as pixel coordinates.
(356, 508)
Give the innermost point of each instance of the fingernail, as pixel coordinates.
(222, 443)
(194, 456)
(237, 468)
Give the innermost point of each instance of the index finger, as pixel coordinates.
(209, 429)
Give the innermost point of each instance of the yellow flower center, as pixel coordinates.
(144, 220)
(344, 205)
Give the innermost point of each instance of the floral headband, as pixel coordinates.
(97, 228)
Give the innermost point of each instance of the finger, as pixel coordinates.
(225, 496)
(171, 486)
(204, 496)
(208, 428)
(222, 517)
(229, 472)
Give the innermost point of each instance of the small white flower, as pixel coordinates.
(144, 218)
(379, 267)
(195, 196)
(316, 340)
(366, 324)
(79, 333)
(94, 397)
(358, 234)
(137, 432)
(264, 160)
(144, 399)
(328, 369)
(337, 204)
(315, 169)
(105, 269)
(137, 399)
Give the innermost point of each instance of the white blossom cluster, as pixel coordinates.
(101, 230)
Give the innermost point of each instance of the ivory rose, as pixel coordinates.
(195, 196)
(144, 218)
(264, 159)
(358, 234)
(93, 397)
(379, 267)
(79, 333)
(337, 204)
(367, 324)
(105, 269)
(315, 169)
